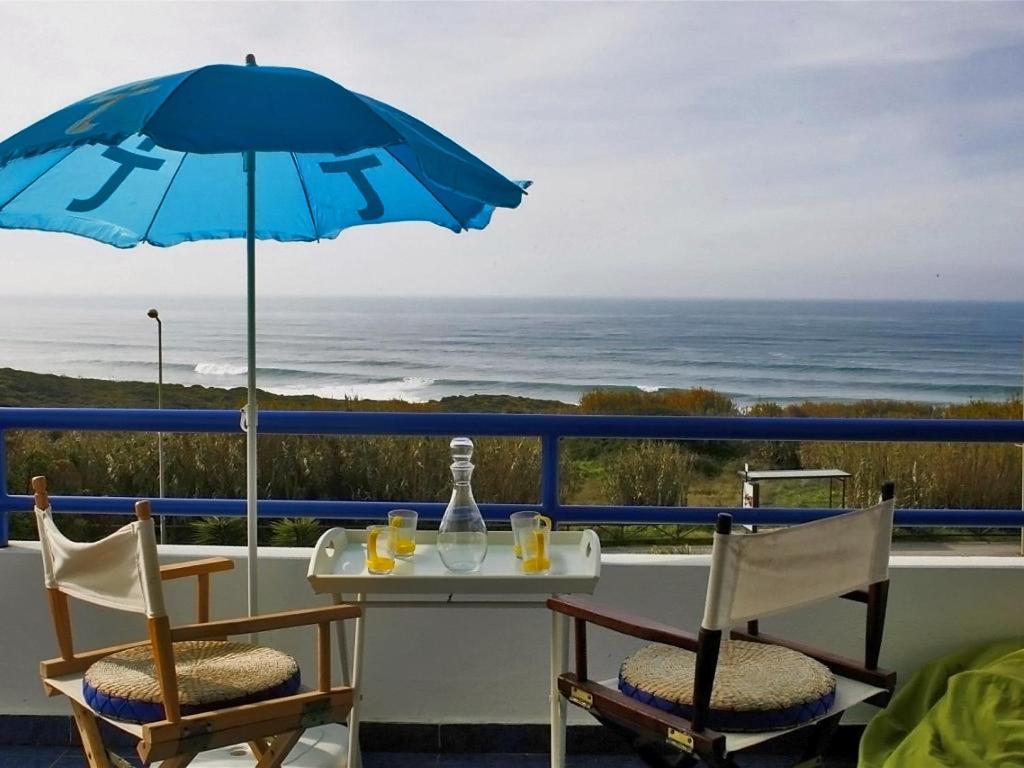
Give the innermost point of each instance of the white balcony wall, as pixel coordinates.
(473, 665)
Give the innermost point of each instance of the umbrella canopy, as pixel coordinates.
(239, 151)
(158, 161)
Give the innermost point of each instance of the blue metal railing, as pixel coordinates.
(549, 428)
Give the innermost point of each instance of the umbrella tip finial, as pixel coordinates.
(250, 59)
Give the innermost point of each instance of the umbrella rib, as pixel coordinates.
(408, 170)
(152, 221)
(305, 193)
(25, 189)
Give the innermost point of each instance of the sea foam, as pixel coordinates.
(411, 389)
(220, 369)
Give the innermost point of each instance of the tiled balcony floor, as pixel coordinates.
(72, 757)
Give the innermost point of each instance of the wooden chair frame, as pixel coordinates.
(271, 728)
(663, 739)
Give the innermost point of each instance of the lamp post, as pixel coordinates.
(160, 404)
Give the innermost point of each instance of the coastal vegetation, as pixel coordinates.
(385, 468)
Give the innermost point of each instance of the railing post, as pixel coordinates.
(4, 531)
(549, 476)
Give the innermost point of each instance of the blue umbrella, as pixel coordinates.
(231, 151)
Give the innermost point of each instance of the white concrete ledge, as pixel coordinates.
(489, 665)
(895, 561)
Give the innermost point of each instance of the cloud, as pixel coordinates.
(678, 148)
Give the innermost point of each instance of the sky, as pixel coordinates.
(711, 150)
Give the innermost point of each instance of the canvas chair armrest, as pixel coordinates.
(195, 568)
(622, 622)
(265, 622)
(840, 665)
(201, 569)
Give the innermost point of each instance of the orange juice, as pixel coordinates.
(403, 526)
(523, 525)
(380, 549)
(380, 564)
(536, 565)
(536, 559)
(405, 547)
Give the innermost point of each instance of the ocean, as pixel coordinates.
(422, 349)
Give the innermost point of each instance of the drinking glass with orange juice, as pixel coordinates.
(521, 522)
(403, 524)
(532, 536)
(380, 549)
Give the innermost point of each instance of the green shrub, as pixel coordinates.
(294, 532)
(771, 454)
(653, 473)
(224, 531)
(708, 454)
(670, 402)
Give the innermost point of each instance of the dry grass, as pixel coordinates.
(652, 473)
(593, 471)
(928, 475)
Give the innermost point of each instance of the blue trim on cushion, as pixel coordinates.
(132, 711)
(737, 721)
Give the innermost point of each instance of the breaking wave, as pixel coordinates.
(411, 389)
(220, 369)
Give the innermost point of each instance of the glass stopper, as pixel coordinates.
(462, 449)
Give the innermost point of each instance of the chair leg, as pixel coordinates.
(258, 747)
(341, 640)
(559, 663)
(279, 748)
(821, 734)
(92, 741)
(355, 758)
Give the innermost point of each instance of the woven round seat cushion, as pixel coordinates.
(212, 674)
(758, 687)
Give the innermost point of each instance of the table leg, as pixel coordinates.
(354, 754)
(559, 664)
(341, 639)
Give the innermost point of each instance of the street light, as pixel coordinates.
(160, 404)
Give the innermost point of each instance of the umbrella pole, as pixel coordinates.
(251, 408)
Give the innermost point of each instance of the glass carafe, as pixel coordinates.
(462, 537)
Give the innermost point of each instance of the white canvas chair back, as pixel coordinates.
(760, 574)
(119, 571)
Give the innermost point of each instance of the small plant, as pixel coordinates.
(294, 532)
(223, 531)
(673, 402)
(654, 473)
(771, 454)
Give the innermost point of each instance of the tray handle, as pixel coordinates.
(590, 545)
(328, 547)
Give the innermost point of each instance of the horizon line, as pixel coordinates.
(513, 297)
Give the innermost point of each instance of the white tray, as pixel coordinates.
(338, 566)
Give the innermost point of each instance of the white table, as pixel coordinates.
(338, 568)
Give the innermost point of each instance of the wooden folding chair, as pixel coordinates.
(752, 575)
(178, 713)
